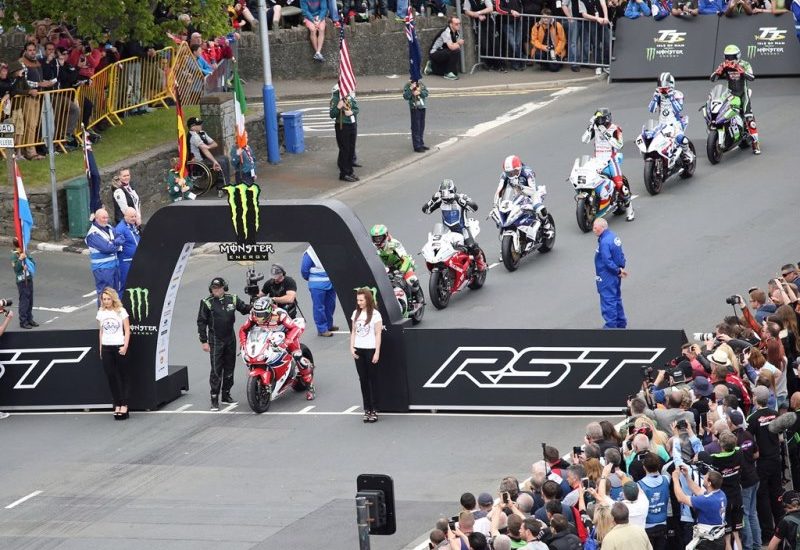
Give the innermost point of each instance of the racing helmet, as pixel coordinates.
(447, 190)
(263, 308)
(666, 83)
(732, 52)
(512, 166)
(602, 117)
(379, 234)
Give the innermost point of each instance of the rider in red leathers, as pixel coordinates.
(266, 314)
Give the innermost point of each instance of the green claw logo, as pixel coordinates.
(751, 51)
(650, 54)
(139, 297)
(243, 200)
(372, 289)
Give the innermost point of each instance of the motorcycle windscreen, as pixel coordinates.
(718, 92)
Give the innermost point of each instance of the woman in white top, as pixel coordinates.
(365, 346)
(115, 333)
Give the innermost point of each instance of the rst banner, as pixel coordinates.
(692, 48)
(532, 370)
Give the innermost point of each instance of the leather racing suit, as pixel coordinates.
(738, 74)
(524, 184)
(669, 107)
(454, 216)
(394, 256)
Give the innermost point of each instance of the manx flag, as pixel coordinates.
(347, 79)
(23, 219)
(92, 174)
(240, 106)
(182, 152)
(414, 52)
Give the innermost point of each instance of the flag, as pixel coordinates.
(23, 219)
(182, 152)
(240, 107)
(414, 53)
(347, 80)
(92, 174)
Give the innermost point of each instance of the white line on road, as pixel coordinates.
(23, 499)
(51, 320)
(229, 407)
(494, 264)
(351, 410)
(447, 143)
(183, 408)
(305, 410)
(340, 331)
(92, 293)
(65, 309)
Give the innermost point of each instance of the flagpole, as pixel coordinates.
(268, 92)
(48, 130)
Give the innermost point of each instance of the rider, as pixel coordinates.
(737, 72)
(522, 178)
(454, 207)
(266, 314)
(607, 143)
(394, 256)
(668, 102)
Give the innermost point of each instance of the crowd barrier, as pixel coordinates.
(26, 115)
(573, 41)
(692, 47)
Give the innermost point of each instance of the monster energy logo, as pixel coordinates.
(139, 297)
(650, 53)
(751, 51)
(243, 200)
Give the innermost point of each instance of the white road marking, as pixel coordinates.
(230, 407)
(351, 410)
(92, 293)
(65, 309)
(183, 408)
(447, 143)
(305, 410)
(23, 499)
(340, 331)
(567, 90)
(494, 264)
(51, 320)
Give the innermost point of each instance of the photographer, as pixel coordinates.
(282, 289)
(729, 462)
(709, 503)
(673, 413)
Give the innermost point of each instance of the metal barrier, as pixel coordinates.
(186, 76)
(98, 92)
(219, 80)
(140, 81)
(26, 115)
(553, 43)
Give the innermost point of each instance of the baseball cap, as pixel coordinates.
(702, 386)
(630, 491)
(277, 269)
(194, 121)
(218, 282)
(485, 499)
(736, 418)
(791, 497)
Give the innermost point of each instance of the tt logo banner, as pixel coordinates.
(771, 34)
(139, 298)
(670, 36)
(39, 363)
(540, 367)
(243, 201)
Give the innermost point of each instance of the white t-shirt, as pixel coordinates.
(637, 511)
(111, 326)
(365, 333)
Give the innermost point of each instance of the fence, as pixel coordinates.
(555, 42)
(26, 115)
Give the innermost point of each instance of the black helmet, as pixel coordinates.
(602, 117)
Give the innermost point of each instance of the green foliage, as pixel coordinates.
(124, 18)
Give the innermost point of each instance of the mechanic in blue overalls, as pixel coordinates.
(609, 266)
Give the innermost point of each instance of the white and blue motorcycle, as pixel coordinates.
(525, 226)
(663, 155)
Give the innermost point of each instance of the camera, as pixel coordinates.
(6, 303)
(647, 372)
(251, 280)
(732, 300)
(588, 483)
(452, 525)
(506, 498)
(702, 468)
(704, 336)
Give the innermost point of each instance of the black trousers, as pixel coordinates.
(366, 376)
(658, 537)
(445, 61)
(118, 375)
(25, 310)
(346, 141)
(417, 127)
(223, 361)
(770, 510)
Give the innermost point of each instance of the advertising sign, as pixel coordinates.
(769, 43)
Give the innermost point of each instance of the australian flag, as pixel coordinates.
(414, 52)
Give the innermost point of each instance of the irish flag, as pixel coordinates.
(23, 219)
(240, 105)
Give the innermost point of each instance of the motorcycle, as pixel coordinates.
(409, 305)
(273, 371)
(663, 156)
(724, 122)
(450, 265)
(521, 231)
(595, 195)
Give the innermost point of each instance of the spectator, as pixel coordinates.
(625, 535)
(115, 334)
(509, 12)
(416, 93)
(729, 464)
(575, 475)
(683, 8)
(786, 533)
(598, 35)
(241, 15)
(125, 196)
(21, 263)
(201, 146)
(656, 488)
(762, 306)
(197, 52)
(673, 413)
(445, 53)
(563, 538)
(128, 229)
(709, 503)
(751, 531)
(67, 78)
(344, 111)
(532, 532)
(282, 290)
(550, 492)
(365, 347)
(769, 463)
(314, 14)
(323, 296)
(244, 164)
(749, 7)
(177, 188)
(103, 246)
(549, 42)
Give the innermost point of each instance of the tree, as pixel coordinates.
(122, 18)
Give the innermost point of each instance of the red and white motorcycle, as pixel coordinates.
(273, 371)
(451, 266)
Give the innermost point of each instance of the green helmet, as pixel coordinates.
(732, 52)
(379, 234)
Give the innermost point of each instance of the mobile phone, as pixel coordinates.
(452, 525)
(506, 498)
(576, 450)
(585, 482)
(631, 428)
(681, 425)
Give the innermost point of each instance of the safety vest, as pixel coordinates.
(98, 259)
(658, 497)
(317, 277)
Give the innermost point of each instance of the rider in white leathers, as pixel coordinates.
(668, 102)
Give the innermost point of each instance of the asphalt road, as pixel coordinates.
(187, 478)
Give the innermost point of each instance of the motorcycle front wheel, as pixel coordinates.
(713, 148)
(259, 396)
(480, 276)
(584, 214)
(688, 171)
(510, 256)
(653, 182)
(548, 244)
(439, 290)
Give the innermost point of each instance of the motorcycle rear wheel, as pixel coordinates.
(480, 276)
(713, 148)
(259, 396)
(652, 181)
(688, 171)
(438, 289)
(584, 215)
(510, 256)
(548, 244)
(416, 318)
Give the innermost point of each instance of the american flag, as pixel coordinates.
(347, 79)
(414, 53)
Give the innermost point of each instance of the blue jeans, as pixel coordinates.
(579, 39)
(514, 40)
(751, 533)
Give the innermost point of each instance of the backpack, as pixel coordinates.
(580, 528)
(794, 520)
(436, 37)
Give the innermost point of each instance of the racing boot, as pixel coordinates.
(752, 129)
(629, 214)
(306, 371)
(546, 226)
(686, 154)
(477, 253)
(416, 290)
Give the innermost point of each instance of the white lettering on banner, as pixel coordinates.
(162, 344)
(505, 367)
(33, 375)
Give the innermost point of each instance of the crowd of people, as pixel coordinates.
(708, 456)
